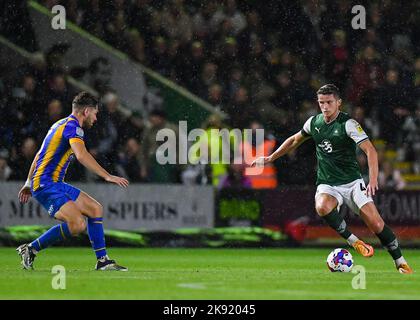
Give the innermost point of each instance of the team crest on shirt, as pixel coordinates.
(79, 132)
(326, 146)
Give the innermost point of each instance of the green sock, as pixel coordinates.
(336, 221)
(390, 242)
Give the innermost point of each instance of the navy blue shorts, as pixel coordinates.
(52, 197)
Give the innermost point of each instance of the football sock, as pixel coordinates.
(58, 232)
(390, 242)
(352, 239)
(95, 231)
(335, 221)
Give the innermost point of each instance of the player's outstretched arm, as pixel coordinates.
(86, 159)
(25, 191)
(372, 157)
(288, 145)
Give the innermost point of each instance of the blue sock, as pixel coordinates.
(58, 232)
(95, 231)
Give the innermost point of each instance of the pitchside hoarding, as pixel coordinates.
(140, 207)
(276, 209)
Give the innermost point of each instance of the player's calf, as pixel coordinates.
(389, 241)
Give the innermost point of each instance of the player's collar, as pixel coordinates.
(331, 121)
(73, 117)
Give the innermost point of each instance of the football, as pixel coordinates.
(340, 260)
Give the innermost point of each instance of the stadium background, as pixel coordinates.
(220, 64)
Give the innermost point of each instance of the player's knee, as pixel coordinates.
(77, 226)
(97, 210)
(322, 209)
(376, 226)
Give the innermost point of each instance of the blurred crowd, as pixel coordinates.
(259, 62)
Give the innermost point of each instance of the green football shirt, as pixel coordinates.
(335, 148)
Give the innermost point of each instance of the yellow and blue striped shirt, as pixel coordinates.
(55, 154)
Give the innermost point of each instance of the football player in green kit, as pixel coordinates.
(336, 136)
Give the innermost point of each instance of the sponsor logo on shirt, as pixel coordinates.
(326, 146)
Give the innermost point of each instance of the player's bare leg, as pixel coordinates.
(93, 210)
(71, 214)
(376, 224)
(326, 207)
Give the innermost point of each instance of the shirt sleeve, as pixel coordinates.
(355, 131)
(73, 133)
(306, 130)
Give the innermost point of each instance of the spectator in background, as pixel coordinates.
(240, 110)
(261, 178)
(394, 109)
(58, 90)
(303, 90)
(37, 67)
(137, 45)
(232, 15)
(54, 113)
(390, 178)
(23, 108)
(129, 161)
(234, 82)
(416, 80)
(108, 134)
(363, 165)
(175, 22)
(24, 159)
(92, 19)
(215, 96)
(371, 128)
(159, 58)
(216, 153)
(235, 178)
(202, 24)
(285, 94)
(151, 169)
(100, 73)
(253, 33)
(116, 23)
(5, 170)
(208, 78)
(364, 71)
(337, 59)
(134, 126)
(411, 143)
(192, 66)
(140, 15)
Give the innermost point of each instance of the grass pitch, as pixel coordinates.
(169, 274)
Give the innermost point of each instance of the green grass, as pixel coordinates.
(169, 274)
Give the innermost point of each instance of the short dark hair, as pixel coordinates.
(83, 100)
(329, 89)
